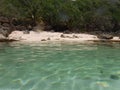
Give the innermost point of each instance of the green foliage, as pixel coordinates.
(23, 9)
(80, 14)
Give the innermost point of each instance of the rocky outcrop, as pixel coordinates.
(5, 27)
(105, 36)
(4, 19)
(2, 37)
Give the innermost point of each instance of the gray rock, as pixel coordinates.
(4, 19)
(6, 25)
(2, 37)
(74, 36)
(62, 36)
(105, 36)
(26, 32)
(5, 32)
(48, 39)
(5, 28)
(43, 40)
(0, 26)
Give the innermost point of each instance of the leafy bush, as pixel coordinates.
(89, 15)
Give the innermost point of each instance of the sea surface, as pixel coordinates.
(60, 66)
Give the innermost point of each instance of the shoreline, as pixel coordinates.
(56, 36)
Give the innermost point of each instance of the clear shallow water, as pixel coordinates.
(59, 66)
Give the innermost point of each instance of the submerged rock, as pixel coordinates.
(115, 77)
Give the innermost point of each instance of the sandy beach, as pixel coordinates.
(55, 36)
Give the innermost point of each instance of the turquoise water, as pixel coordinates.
(59, 66)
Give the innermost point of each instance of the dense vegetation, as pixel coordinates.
(74, 15)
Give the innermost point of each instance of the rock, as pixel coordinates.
(68, 36)
(74, 36)
(0, 26)
(48, 39)
(43, 40)
(5, 32)
(6, 25)
(67, 32)
(115, 77)
(4, 19)
(16, 35)
(5, 28)
(105, 36)
(116, 38)
(5, 39)
(26, 32)
(21, 28)
(62, 36)
(2, 37)
(48, 28)
(29, 27)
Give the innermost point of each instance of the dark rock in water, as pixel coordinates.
(114, 77)
(101, 71)
(105, 36)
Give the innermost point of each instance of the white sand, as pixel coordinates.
(52, 36)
